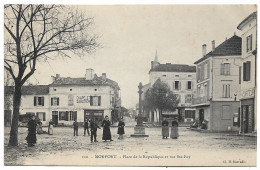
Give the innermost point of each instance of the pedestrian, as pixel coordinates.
(174, 129)
(121, 129)
(39, 128)
(31, 137)
(93, 130)
(106, 129)
(50, 127)
(76, 128)
(86, 127)
(165, 128)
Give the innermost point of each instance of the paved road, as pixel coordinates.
(190, 149)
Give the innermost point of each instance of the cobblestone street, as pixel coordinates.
(63, 148)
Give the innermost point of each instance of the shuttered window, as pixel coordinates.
(177, 85)
(38, 101)
(189, 85)
(55, 101)
(41, 116)
(249, 43)
(70, 100)
(225, 69)
(64, 115)
(95, 100)
(226, 90)
(246, 71)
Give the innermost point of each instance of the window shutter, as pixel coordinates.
(202, 72)
(99, 100)
(208, 69)
(67, 116)
(248, 68)
(59, 115)
(187, 85)
(179, 85)
(239, 75)
(221, 69)
(58, 101)
(91, 100)
(191, 85)
(247, 43)
(43, 116)
(244, 71)
(51, 101)
(228, 90)
(228, 69)
(35, 101)
(75, 115)
(250, 42)
(223, 90)
(42, 101)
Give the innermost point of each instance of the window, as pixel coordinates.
(38, 101)
(226, 112)
(70, 100)
(198, 74)
(189, 85)
(226, 91)
(205, 71)
(55, 101)
(225, 69)
(95, 100)
(177, 85)
(164, 75)
(73, 115)
(249, 43)
(63, 115)
(177, 76)
(189, 75)
(188, 98)
(246, 71)
(41, 116)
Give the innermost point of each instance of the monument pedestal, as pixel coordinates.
(139, 131)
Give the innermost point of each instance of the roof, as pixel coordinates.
(168, 67)
(97, 81)
(247, 19)
(230, 47)
(29, 90)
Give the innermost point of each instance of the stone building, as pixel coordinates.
(218, 85)
(248, 77)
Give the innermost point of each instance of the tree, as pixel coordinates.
(160, 98)
(34, 33)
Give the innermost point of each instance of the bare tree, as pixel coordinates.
(32, 34)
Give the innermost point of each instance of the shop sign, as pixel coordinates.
(83, 99)
(249, 93)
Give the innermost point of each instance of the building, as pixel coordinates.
(67, 99)
(248, 67)
(181, 80)
(218, 85)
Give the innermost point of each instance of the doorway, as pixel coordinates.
(55, 117)
(201, 115)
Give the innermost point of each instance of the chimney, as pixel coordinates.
(57, 76)
(213, 45)
(104, 76)
(152, 64)
(204, 49)
(89, 74)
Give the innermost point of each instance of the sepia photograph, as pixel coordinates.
(165, 85)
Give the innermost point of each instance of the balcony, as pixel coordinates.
(200, 101)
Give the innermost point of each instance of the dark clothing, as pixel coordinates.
(174, 130)
(31, 137)
(93, 129)
(86, 128)
(106, 130)
(121, 128)
(165, 123)
(175, 123)
(165, 128)
(76, 126)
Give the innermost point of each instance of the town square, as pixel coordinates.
(130, 85)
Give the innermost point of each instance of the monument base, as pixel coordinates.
(139, 131)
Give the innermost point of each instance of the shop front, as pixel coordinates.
(247, 116)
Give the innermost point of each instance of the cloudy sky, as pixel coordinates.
(131, 34)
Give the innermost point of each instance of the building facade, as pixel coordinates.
(181, 81)
(248, 77)
(218, 86)
(67, 99)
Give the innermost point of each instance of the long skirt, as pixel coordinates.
(165, 131)
(31, 138)
(50, 130)
(174, 132)
(106, 133)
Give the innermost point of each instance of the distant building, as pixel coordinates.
(248, 67)
(68, 99)
(181, 80)
(218, 85)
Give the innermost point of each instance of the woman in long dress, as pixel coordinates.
(106, 129)
(31, 137)
(174, 130)
(121, 129)
(165, 128)
(50, 129)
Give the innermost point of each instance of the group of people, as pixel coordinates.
(36, 127)
(93, 126)
(174, 129)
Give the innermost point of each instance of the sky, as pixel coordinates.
(131, 34)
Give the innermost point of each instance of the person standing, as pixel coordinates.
(31, 137)
(165, 128)
(93, 130)
(86, 127)
(121, 129)
(106, 129)
(76, 127)
(50, 127)
(174, 129)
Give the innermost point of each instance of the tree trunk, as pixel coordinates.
(152, 116)
(13, 140)
(160, 116)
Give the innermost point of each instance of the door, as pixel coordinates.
(201, 115)
(245, 119)
(55, 117)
